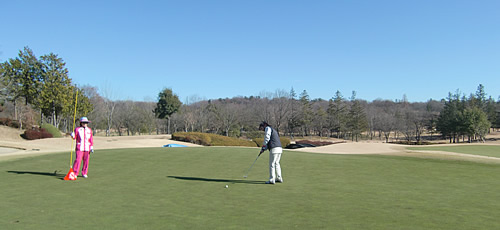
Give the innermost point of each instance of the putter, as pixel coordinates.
(246, 175)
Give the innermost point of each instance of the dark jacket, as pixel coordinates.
(274, 141)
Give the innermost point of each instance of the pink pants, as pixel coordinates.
(81, 155)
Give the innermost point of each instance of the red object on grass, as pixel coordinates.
(71, 175)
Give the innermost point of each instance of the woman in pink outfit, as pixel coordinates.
(84, 146)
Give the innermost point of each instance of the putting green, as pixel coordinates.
(184, 188)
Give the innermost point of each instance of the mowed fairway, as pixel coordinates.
(184, 188)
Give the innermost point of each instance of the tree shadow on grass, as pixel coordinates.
(53, 174)
(217, 180)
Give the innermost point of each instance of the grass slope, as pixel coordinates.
(184, 188)
(481, 150)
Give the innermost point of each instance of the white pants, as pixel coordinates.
(274, 163)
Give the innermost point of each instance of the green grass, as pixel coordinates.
(481, 150)
(184, 188)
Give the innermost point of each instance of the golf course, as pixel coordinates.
(250, 115)
(185, 188)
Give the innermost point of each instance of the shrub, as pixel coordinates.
(413, 143)
(235, 131)
(209, 139)
(193, 137)
(315, 143)
(254, 134)
(51, 129)
(4, 121)
(36, 134)
(285, 141)
(15, 124)
(9, 122)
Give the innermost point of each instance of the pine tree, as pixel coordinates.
(337, 114)
(357, 122)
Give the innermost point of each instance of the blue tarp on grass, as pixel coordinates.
(174, 145)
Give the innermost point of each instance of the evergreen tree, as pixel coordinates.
(30, 78)
(476, 123)
(306, 115)
(357, 122)
(491, 111)
(481, 97)
(337, 114)
(21, 79)
(168, 104)
(448, 123)
(293, 118)
(55, 97)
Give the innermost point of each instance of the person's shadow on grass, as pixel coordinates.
(53, 174)
(217, 180)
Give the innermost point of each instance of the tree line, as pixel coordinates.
(345, 118)
(38, 90)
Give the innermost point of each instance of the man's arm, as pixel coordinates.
(267, 137)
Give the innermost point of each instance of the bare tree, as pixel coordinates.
(201, 116)
(264, 110)
(109, 106)
(387, 124)
(187, 113)
(227, 115)
(109, 112)
(384, 121)
(123, 119)
(146, 117)
(320, 120)
(280, 106)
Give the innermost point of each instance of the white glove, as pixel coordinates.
(73, 135)
(92, 149)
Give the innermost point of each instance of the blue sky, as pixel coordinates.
(213, 49)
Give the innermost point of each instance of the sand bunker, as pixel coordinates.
(355, 148)
(13, 148)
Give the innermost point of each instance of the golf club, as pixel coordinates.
(246, 175)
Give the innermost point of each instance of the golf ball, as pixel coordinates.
(227, 186)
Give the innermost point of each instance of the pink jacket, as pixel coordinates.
(84, 139)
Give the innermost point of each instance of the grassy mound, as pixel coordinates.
(284, 141)
(51, 129)
(315, 143)
(209, 139)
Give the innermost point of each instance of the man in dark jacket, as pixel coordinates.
(273, 144)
